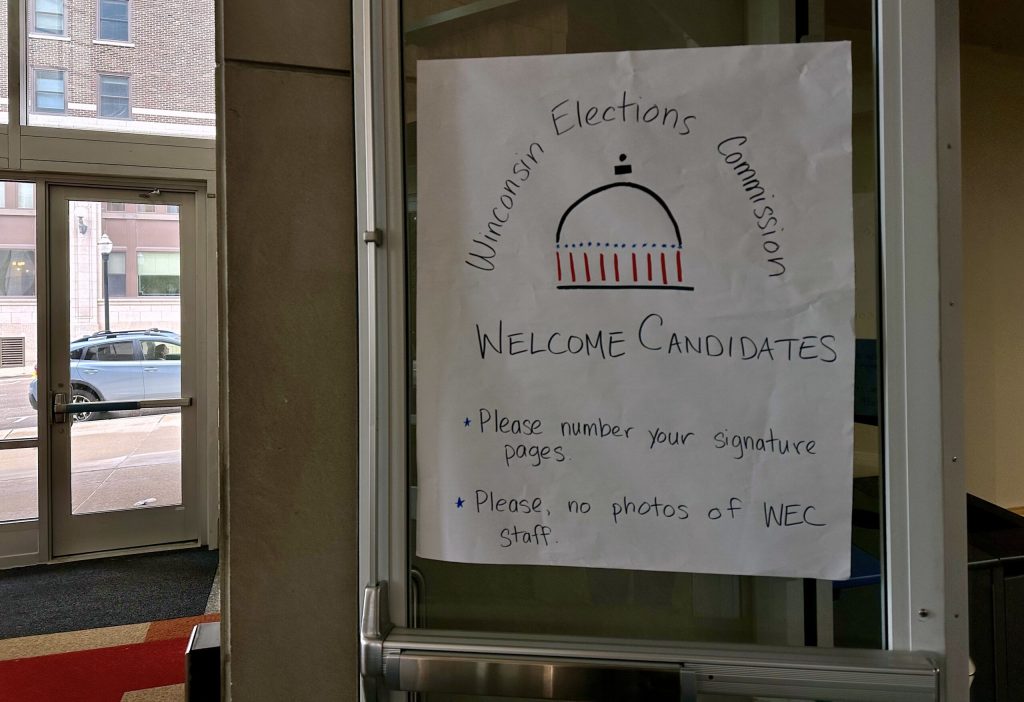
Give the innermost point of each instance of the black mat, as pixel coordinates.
(109, 592)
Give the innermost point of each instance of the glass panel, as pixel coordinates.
(127, 66)
(48, 17)
(49, 91)
(18, 352)
(113, 22)
(17, 314)
(123, 460)
(645, 604)
(19, 491)
(26, 193)
(159, 273)
(116, 274)
(114, 97)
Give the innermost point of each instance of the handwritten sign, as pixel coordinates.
(634, 287)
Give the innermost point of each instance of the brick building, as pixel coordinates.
(119, 65)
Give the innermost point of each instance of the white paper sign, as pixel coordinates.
(634, 298)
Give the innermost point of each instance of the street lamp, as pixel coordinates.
(105, 246)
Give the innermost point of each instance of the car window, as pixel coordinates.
(76, 354)
(161, 351)
(117, 351)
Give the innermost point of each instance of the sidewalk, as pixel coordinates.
(115, 464)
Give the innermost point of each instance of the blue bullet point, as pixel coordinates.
(466, 422)
(459, 502)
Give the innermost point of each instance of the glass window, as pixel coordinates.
(142, 207)
(170, 90)
(159, 273)
(48, 17)
(172, 209)
(113, 206)
(116, 274)
(117, 351)
(113, 21)
(651, 604)
(49, 93)
(26, 196)
(17, 272)
(114, 97)
(3, 195)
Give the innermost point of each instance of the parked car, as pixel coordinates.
(140, 364)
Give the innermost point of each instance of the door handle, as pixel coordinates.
(536, 678)
(150, 370)
(62, 408)
(90, 371)
(585, 668)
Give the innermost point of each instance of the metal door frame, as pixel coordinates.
(919, 183)
(77, 535)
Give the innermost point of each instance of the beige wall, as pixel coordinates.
(993, 234)
(288, 248)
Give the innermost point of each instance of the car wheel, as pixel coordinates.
(83, 395)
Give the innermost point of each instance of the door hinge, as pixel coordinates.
(373, 236)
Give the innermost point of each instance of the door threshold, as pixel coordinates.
(178, 546)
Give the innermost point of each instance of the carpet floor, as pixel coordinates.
(108, 592)
(131, 663)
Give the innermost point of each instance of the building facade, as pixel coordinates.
(114, 66)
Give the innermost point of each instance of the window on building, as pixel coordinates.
(17, 272)
(172, 209)
(113, 20)
(117, 274)
(113, 102)
(159, 273)
(48, 17)
(3, 194)
(26, 196)
(142, 207)
(50, 91)
(113, 206)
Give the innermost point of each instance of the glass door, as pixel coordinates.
(466, 626)
(652, 604)
(122, 363)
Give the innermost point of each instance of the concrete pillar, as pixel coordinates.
(287, 247)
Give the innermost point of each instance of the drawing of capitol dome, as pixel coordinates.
(619, 235)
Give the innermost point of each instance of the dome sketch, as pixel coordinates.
(619, 235)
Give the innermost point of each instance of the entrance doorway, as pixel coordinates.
(118, 395)
(104, 393)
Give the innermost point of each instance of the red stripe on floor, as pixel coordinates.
(98, 675)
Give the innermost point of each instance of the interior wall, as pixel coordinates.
(992, 94)
(289, 355)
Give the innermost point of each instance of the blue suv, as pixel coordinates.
(140, 364)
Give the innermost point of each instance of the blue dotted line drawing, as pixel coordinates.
(615, 245)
